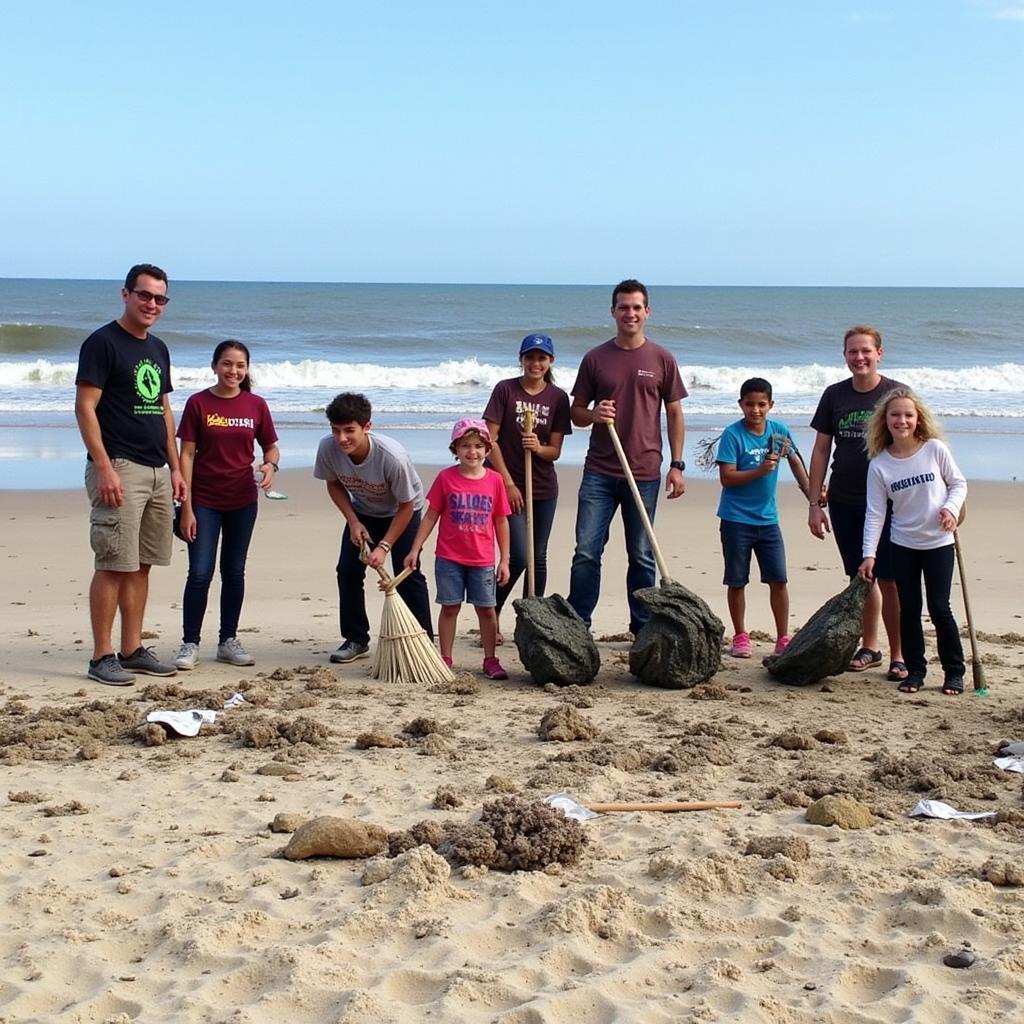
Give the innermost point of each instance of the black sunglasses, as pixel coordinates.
(160, 300)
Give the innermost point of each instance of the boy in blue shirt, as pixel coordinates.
(749, 453)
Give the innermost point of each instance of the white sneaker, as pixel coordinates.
(234, 653)
(187, 656)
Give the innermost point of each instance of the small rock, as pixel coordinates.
(37, 853)
(266, 798)
(289, 894)
(117, 871)
(961, 958)
(277, 768)
(843, 811)
(124, 887)
(1003, 872)
(287, 822)
(230, 775)
(564, 724)
(336, 837)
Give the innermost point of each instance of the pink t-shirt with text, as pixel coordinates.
(467, 509)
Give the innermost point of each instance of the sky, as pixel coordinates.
(800, 142)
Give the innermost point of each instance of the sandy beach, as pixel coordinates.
(143, 883)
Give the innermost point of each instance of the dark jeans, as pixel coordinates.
(352, 573)
(936, 565)
(543, 519)
(235, 528)
(599, 497)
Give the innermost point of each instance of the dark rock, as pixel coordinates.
(825, 645)
(961, 958)
(554, 643)
(681, 644)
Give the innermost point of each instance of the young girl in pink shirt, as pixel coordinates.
(470, 502)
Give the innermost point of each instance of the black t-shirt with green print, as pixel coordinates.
(843, 413)
(134, 374)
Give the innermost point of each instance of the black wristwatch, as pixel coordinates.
(678, 464)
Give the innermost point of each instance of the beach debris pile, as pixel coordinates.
(680, 645)
(554, 643)
(826, 643)
(512, 834)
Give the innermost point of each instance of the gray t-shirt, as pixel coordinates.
(378, 484)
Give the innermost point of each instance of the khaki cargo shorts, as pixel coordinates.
(138, 532)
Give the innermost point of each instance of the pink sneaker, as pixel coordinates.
(782, 643)
(740, 646)
(446, 660)
(493, 669)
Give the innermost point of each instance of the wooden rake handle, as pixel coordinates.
(531, 572)
(662, 568)
(695, 805)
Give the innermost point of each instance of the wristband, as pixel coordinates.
(677, 464)
(384, 546)
(274, 464)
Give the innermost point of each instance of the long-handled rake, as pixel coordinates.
(977, 669)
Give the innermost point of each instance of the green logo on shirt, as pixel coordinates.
(147, 380)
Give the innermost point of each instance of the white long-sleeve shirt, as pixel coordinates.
(919, 486)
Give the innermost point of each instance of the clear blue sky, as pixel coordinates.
(717, 142)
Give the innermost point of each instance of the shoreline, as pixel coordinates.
(50, 458)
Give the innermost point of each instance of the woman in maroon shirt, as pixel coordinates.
(534, 389)
(218, 430)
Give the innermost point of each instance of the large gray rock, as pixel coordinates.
(554, 643)
(825, 645)
(680, 646)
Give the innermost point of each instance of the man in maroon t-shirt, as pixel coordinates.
(626, 380)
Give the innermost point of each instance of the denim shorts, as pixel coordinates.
(457, 583)
(739, 540)
(848, 527)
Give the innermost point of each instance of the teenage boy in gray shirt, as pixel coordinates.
(372, 481)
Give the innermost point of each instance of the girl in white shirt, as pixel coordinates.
(914, 469)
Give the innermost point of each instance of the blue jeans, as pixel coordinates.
(236, 528)
(355, 626)
(599, 497)
(543, 519)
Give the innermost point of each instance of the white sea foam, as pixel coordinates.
(322, 373)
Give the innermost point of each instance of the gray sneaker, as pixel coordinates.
(350, 651)
(187, 656)
(108, 670)
(143, 660)
(234, 653)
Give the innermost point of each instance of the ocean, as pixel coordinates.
(427, 354)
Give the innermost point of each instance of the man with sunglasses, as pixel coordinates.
(125, 419)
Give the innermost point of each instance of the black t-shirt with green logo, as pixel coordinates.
(134, 374)
(843, 413)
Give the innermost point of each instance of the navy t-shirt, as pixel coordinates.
(134, 374)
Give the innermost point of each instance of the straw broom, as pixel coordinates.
(404, 653)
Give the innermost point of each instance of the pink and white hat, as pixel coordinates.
(468, 423)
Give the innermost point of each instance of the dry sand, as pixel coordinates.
(142, 883)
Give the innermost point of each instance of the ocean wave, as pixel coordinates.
(25, 338)
(1002, 378)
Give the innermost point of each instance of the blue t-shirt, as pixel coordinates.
(752, 503)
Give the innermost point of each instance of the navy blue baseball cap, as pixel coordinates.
(538, 343)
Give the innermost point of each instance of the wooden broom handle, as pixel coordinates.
(696, 805)
(531, 573)
(662, 568)
(391, 581)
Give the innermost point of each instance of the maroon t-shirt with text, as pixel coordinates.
(550, 407)
(640, 381)
(224, 431)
